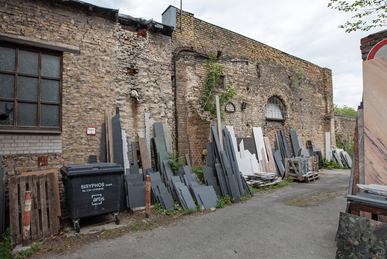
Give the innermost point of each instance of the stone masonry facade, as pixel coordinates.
(96, 80)
(258, 72)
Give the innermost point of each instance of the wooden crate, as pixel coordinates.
(44, 215)
(313, 163)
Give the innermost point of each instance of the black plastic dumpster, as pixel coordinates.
(92, 189)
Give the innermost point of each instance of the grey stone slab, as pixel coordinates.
(134, 169)
(233, 160)
(166, 201)
(210, 155)
(216, 143)
(160, 145)
(148, 171)
(154, 155)
(279, 163)
(195, 190)
(168, 171)
(166, 137)
(117, 140)
(231, 181)
(145, 159)
(222, 180)
(159, 132)
(294, 138)
(286, 144)
(249, 145)
(103, 144)
(186, 195)
(189, 151)
(163, 156)
(134, 153)
(349, 159)
(147, 133)
(208, 172)
(134, 178)
(191, 178)
(92, 159)
(137, 194)
(208, 198)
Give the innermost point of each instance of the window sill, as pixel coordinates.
(270, 119)
(31, 131)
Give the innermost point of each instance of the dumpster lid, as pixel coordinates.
(96, 168)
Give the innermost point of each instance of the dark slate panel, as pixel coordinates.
(186, 195)
(134, 153)
(148, 171)
(210, 155)
(168, 171)
(159, 131)
(103, 144)
(163, 156)
(154, 155)
(232, 184)
(208, 198)
(294, 138)
(92, 159)
(207, 172)
(286, 144)
(189, 150)
(137, 194)
(134, 178)
(279, 163)
(134, 169)
(117, 140)
(216, 142)
(195, 190)
(166, 201)
(222, 180)
(249, 144)
(191, 178)
(246, 186)
(233, 161)
(160, 145)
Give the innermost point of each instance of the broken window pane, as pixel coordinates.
(50, 66)
(6, 113)
(7, 59)
(49, 90)
(27, 114)
(50, 115)
(28, 88)
(28, 62)
(7, 86)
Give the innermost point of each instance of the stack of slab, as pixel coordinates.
(254, 155)
(135, 190)
(260, 180)
(160, 192)
(222, 170)
(342, 158)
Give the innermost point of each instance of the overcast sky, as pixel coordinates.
(303, 28)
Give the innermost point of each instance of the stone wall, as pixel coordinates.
(94, 82)
(258, 72)
(345, 125)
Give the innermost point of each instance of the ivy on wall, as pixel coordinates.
(210, 87)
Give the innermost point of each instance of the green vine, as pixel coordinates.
(210, 87)
(298, 82)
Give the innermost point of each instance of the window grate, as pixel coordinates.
(275, 109)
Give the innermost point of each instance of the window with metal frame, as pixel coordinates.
(30, 89)
(275, 109)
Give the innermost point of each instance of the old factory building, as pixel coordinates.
(65, 64)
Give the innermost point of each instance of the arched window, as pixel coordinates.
(275, 109)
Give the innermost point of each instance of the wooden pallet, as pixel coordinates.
(296, 167)
(264, 184)
(311, 176)
(44, 215)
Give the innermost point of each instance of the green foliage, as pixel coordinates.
(6, 245)
(222, 201)
(190, 211)
(199, 173)
(300, 79)
(344, 142)
(331, 164)
(175, 161)
(374, 10)
(210, 87)
(344, 110)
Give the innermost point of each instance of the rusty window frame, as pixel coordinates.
(32, 129)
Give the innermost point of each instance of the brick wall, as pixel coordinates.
(345, 125)
(11, 144)
(367, 43)
(258, 72)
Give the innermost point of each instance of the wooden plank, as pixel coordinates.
(55, 171)
(146, 162)
(43, 202)
(33, 226)
(13, 205)
(22, 198)
(259, 143)
(269, 155)
(54, 220)
(36, 231)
